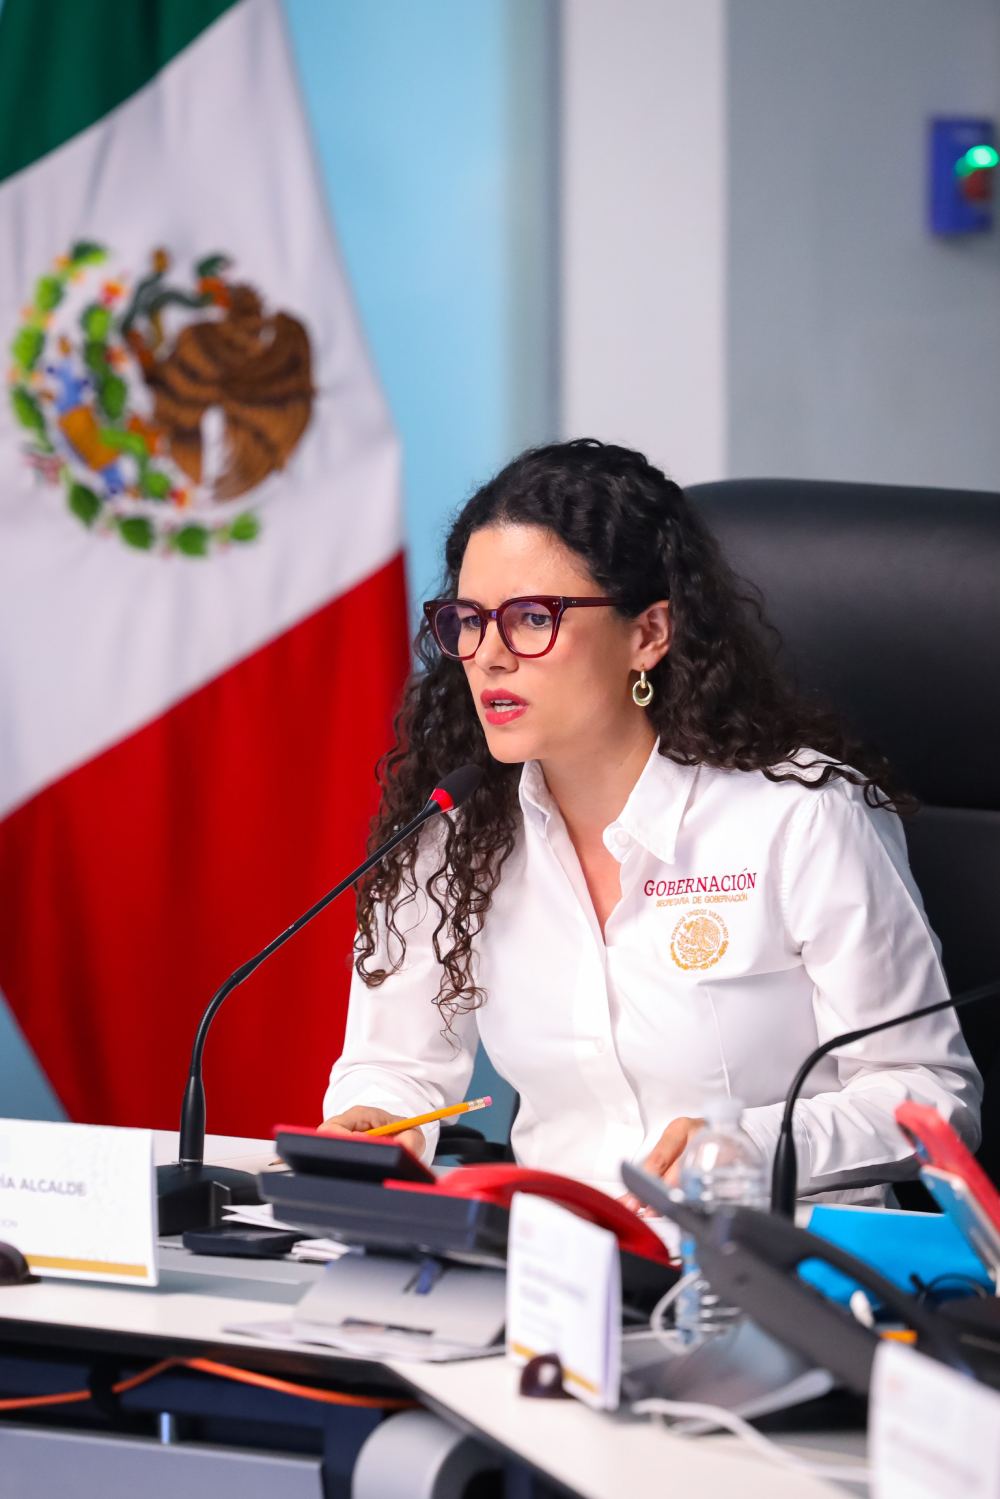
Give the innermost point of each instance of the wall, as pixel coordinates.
(643, 184)
(748, 286)
(431, 126)
(859, 347)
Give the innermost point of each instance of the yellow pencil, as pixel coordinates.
(419, 1119)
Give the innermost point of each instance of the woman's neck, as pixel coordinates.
(591, 790)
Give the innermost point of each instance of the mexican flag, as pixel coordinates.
(202, 613)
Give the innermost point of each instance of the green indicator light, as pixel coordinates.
(977, 159)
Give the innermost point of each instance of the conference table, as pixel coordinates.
(468, 1417)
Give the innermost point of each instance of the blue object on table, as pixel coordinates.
(895, 1243)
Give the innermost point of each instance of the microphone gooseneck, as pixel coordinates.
(184, 1190)
(784, 1174)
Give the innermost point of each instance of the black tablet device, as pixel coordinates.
(350, 1157)
(242, 1240)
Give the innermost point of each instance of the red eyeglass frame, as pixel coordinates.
(558, 603)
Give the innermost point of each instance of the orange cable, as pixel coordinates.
(72, 1397)
(29, 1401)
(305, 1392)
(221, 1371)
(124, 1385)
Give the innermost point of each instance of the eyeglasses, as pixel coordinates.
(527, 626)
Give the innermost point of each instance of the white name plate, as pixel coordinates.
(564, 1297)
(932, 1431)
(79, 1200)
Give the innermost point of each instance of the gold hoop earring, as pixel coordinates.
(642, 691)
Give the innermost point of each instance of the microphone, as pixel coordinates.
(191, 1194)
(784, 1175)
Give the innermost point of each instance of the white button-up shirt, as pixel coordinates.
(756, 920)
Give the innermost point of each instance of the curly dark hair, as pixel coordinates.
(720, 697)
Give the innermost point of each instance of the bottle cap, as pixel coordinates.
(722, 1110)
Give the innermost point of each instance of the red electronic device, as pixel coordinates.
(497, 1184)
(374, 1192)
(955, 1179)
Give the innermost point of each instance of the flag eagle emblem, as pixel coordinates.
(157, 407)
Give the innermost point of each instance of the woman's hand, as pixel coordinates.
(665, 1158)
(361, 1118)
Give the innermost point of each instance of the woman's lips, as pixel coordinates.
(502, 707)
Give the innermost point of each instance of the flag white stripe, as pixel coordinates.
(96, 638)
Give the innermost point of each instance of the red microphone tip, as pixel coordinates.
(455, 787)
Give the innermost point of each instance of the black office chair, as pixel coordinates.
(460, 1144)
(888, 602)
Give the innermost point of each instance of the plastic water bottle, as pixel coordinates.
(720, 1168)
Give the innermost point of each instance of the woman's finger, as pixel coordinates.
(359, 1120)
(665, 1154)
(412, 1139)
(346, 1126)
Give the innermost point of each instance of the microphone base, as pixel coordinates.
(192, 1195)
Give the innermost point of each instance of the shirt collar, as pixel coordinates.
(534, 795)
(651, 815)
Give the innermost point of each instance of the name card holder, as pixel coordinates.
(79, 1201)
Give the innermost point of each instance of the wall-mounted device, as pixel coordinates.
(962, 161)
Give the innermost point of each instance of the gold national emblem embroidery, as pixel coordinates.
(699, 940)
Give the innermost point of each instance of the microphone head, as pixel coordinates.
(452, 790)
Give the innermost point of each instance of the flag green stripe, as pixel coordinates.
(66, 63)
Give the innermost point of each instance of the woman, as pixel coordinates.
(676, 878)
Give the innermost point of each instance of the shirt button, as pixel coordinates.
(620, 838)
(599, 1044)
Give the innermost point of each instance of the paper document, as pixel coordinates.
(318, 1250)
(261, 1215)
(432, 1351)
(258, 1215)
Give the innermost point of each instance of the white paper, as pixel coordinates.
(257, 1214)
(79, 1200)
(318, 1250)
(433, 1351)
(564, 1297)
(261, 1215)
(933, 1433)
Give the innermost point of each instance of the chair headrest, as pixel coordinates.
(887, 599)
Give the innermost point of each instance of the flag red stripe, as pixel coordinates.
(134, 885)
